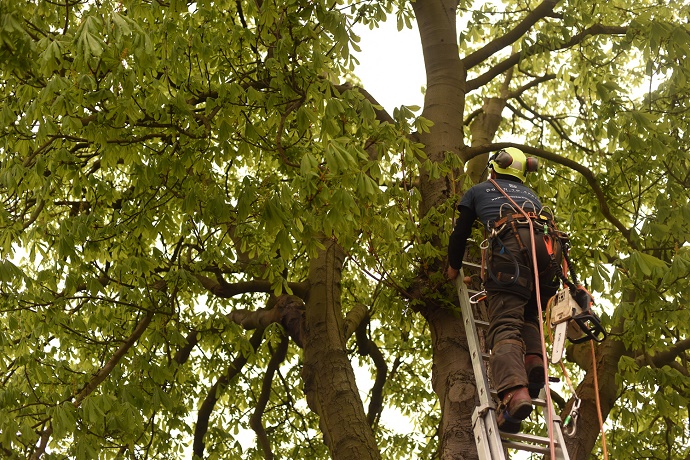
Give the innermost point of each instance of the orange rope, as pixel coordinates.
(596, 394)
(549, 403)
(596, 388)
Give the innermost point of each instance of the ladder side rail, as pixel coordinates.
(490, 445)
(485, 400)
(487, 437)
(562, 453)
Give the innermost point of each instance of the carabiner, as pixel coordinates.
(570, 423)
(478, 297)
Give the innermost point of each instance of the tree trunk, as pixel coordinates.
(452, 376)
(453, 382)
(483, 130)
(445, 94)
(329, 381)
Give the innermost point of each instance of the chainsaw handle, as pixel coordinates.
(590, 326)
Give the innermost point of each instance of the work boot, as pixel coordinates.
(514, 408)
(534, 366)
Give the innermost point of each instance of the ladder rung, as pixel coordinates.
(525, 437)
(471, 264)
(539, 402)
(481, 323)
(526, 447)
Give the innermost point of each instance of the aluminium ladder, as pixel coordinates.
(493, 444)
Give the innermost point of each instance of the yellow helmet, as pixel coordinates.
(513, 162)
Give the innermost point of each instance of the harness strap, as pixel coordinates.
(522, 218)
(523, 248)
(548, 242)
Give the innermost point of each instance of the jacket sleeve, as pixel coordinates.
(458, 239)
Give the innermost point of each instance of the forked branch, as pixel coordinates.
(214, 392)
(255, 421)
(368, 347)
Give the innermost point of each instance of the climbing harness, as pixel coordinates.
(571, 313)
(572, 304)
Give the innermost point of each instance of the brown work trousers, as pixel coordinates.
(514, 317)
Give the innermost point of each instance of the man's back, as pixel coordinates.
(489, 203)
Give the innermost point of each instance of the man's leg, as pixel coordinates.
(548, 263)
(534, 360)
(506, 318)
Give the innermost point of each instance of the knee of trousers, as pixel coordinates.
(508, 365)
(508, 346)
(532, 338)
(506, 317)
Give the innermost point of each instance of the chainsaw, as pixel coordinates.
(572, 317)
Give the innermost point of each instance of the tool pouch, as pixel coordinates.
(511, 278)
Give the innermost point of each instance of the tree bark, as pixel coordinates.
(444, 100)
(483, 130)
(452, 377)
(454, 384)
(329, 381)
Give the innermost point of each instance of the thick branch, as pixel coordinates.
(368, 347)
(183, 353)
(381, 114)
(117, 356)
(255, 420)
(288, 311)
(664, 358)
(354, 319)
(214, 392)
(34, 215)
(514, 59)
(507, 39)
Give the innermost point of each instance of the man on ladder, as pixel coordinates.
(514, 293)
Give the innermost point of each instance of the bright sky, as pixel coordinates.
(391, 65)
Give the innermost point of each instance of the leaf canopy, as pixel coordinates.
(172, 173)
